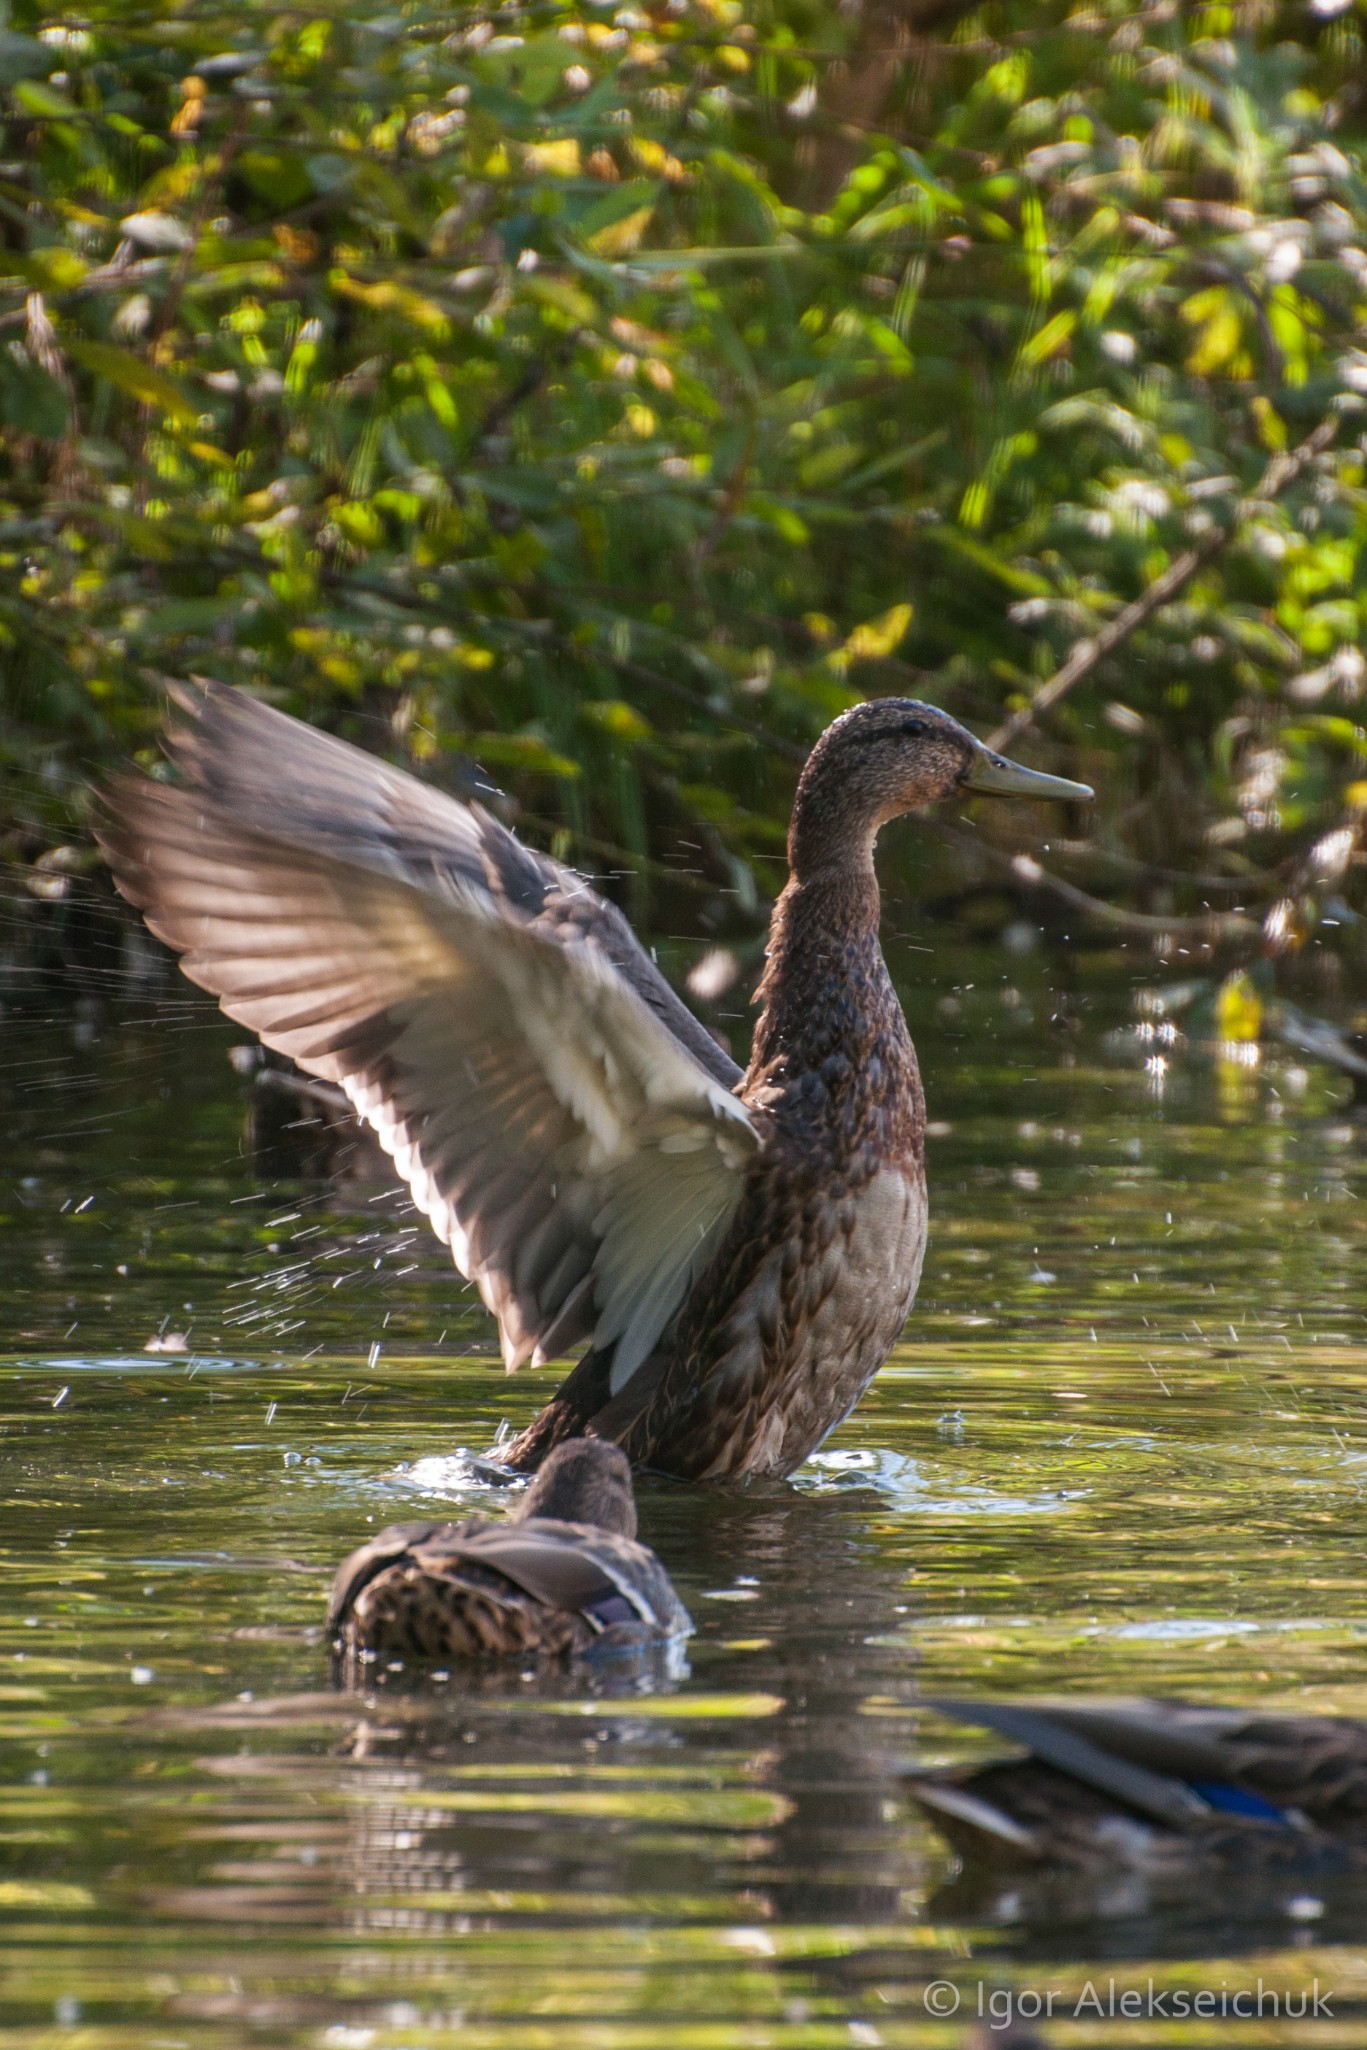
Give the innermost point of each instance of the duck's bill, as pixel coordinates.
(997, 777)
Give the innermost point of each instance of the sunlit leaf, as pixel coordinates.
(129, 373)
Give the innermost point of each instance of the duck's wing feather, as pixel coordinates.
(367, 1562)
(268, 770)
(1154, 1754)
(1162, 1795)
(632, 1568)
(1314, 1762)
(579, 1158)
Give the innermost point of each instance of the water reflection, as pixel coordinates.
(1123, 1449)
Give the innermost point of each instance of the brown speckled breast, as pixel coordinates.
(812, 1285)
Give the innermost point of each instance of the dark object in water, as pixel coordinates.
(1346, 1051)
(740, 1251)
(298, 1127)
(1167, 1792)
(563, 1574)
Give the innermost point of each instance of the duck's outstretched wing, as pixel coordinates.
(492, 1019)
(282, 777)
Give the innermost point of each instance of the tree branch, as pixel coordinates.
(1212, 928)
(1281, 472)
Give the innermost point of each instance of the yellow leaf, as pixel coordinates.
(620, 238)
(558, 159)
(973, 509)
(43, 1893)
(525, 751)
(1238, 1010)
(132, 375)
(1049, 340)
(1220, 339)
(1271, 426)
(55, 269)
(360, 522)
(388, 297)
(652, 156)
(875, 638)
(615, 716)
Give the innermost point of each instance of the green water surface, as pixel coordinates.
(1122, 1447)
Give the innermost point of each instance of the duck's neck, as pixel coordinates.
(828, 1003)
(832, 1053)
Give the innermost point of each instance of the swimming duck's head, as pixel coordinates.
(585, 1480)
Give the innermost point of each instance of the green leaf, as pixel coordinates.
(36, 98)
(525, 751)
(613, 205)
(130, 374)
(31, 401)
(276, 175)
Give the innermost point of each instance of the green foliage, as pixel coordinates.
(588, 392)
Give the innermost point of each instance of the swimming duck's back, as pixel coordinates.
(499, 1590)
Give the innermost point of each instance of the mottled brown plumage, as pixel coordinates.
(562, 1575)
(739, 1251)
(809, 1290)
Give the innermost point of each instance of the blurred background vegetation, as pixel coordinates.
(602, 397)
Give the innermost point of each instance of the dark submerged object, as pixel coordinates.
(562, 1575)
(739, 1250)
(1346, 1051)
(1166, 1792)
(298, 1127)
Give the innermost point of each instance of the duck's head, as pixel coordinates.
(889, 756)
(585, 1480)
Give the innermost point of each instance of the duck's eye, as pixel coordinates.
(913, 729)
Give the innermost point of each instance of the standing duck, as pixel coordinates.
(562, 1575)
(740, 1251)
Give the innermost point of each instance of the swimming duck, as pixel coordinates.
(1163, 1789)
(739, 1250)
(563, 1574)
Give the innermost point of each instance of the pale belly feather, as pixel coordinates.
(863, 1289)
